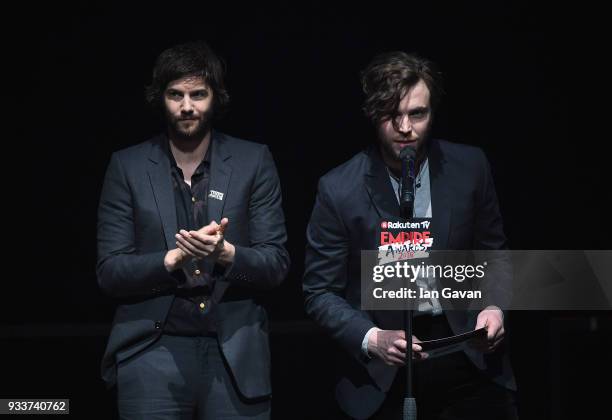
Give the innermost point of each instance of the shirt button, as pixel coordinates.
(202, 305)
(197, 272)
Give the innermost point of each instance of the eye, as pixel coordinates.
(200, 94)
(174, 94)
(419, 114)
(397, 118)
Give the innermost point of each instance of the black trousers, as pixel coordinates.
(182, 378)
(448, 387)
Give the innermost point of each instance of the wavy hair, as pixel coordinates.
(192, 59)
(389, 76)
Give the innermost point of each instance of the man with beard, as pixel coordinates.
(454, 188)
(190, 235)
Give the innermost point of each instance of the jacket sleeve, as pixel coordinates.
(121, 271)
(265, 263)
(325, 277)
(490, 243)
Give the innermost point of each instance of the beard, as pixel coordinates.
(391, 152)
(188, 129)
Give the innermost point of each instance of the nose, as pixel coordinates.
(404, 125)
(186, 105)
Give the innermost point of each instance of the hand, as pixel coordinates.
(492, 318)
(206, 242)
(390, 347)
(175, 259)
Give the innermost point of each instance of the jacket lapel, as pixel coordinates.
(440, 196)
(220, 174)
(161, 183)
(379, 186)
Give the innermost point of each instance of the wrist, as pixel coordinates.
(227, 254)
(372, 340)
(171, 259)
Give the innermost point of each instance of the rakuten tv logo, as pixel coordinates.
(404, 225)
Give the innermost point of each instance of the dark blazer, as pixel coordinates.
(136, 227)
(351, 201)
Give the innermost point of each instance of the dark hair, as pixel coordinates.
(190, 59)
(388, 77)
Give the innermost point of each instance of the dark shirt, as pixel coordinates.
(192, 311)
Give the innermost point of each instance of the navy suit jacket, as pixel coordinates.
(351, 201)
(136, 227)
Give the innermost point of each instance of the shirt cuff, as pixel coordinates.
(366, 338)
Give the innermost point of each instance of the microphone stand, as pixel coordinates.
(410, 407)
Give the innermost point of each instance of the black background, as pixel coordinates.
(510, 70)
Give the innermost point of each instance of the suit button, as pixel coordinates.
(157, 325)
(197, 272)
(202, 305)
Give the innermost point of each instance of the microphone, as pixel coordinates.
(407, 156)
